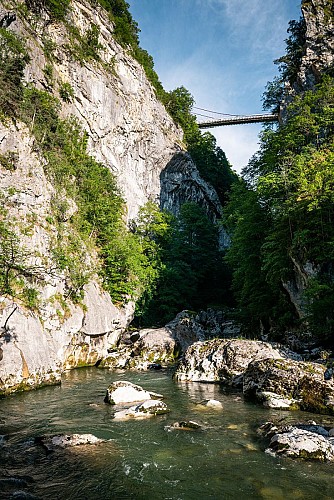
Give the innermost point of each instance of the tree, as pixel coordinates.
(289, 64)
(212, 163)
(191, 272)
(283, 221)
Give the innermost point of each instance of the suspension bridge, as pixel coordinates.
(222, 119)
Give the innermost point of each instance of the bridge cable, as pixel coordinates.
(214, 112)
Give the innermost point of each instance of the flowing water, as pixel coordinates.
(142, 459)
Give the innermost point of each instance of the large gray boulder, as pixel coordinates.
(225, 361)
(297, 384)
(141, 350)
(189, 327)
(307, 441)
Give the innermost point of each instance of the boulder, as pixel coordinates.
(289, 384)
(147, 409)
(225, 361)
(50, 443)
(301, 443)
(144, 349)
(187, 425)
(213, 403)
(126, 392)
(189, 327)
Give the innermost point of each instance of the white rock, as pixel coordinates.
(213, 403)
(299, 443)
(67, 440)
(273, 400)
(147, 409)
(125, 392)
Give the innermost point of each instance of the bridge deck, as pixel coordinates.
(235, 120)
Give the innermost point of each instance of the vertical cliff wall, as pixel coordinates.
(130, 132)
(319, 41)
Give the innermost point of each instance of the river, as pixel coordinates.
(225, 459)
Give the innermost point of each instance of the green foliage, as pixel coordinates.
(126, 29)
(289, 64)
(48, 72)
(124, 267)
(9, 160)
(260, 300)
(273, 95)
(188, 266)
(66, 92)
(30, 297)
(292, 180)
(146, 60)
(17, 271)
(179, 103)
(212, 164)
(40, 111)
(13, 58)
(49, 47)
(85, 47)
(57, 9)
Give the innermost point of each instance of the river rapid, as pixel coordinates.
(225, 459)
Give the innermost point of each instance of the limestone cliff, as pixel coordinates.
(319, 41)
(130, 132)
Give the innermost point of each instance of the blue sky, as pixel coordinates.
(222, 51)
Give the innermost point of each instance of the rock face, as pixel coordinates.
(319, 46)
(189, 327)
(181, 182)
(289, 384)
(225, 361)
(130, 132)
(266, 372)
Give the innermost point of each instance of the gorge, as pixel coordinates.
(131, 250)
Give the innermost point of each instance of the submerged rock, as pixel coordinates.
(123, 391)
(187, 425)
(147, 409)
(288, 384)
(225, 361)
(50, 443)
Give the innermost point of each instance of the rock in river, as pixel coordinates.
(288, 384)
(123, 391)
(147, 409)
(299, 441)
(225, 361)
(50, 443)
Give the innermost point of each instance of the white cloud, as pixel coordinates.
(256, 22)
